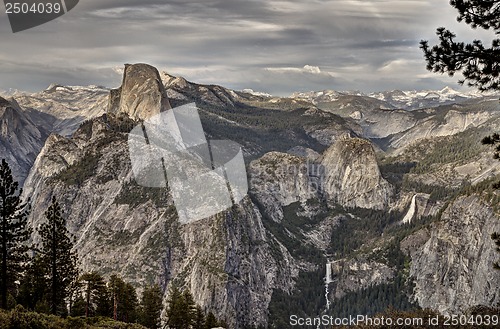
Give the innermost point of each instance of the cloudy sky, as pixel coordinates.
(271, 46)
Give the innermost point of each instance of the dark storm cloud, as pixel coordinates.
(273, 46)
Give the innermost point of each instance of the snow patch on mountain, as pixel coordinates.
(408, 100)
(256, 93)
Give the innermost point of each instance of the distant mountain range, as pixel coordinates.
(393, 99)
(398, 99)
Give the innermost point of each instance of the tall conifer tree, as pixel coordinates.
(14, 232)
(58, 256)
(151, 306)
(123, 298)
(95, 291)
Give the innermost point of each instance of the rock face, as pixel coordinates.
(443, 123)
(418, 208)
(348, 174)
(356, 274)
(279, 179)
(142, 93)
(379, 123)
(453, 269)
(352, 177)
(20, 139)
(61, 109)
(225, 260)
(28, 120)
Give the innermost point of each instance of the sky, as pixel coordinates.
(271, 46)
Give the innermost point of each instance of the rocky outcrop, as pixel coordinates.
(142, 93)
(321, 235)
(443, 122)
(328, 134)
(379, 123)
(279, 179)
(20, 139)
(352, 177)
(348, 174)
(453, 266)
(356, 274)
(304, 152)
(178, 87)
(418, 208)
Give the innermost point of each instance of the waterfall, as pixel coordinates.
(411, 212)
(328, 280)
(328, 273)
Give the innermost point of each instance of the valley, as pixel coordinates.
(356, 203)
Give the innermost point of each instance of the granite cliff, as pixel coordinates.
(353, 177)
(452, 266)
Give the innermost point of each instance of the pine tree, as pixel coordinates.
(183, 313)
(124, 299)
(14, 232)
(174, 308)
(479, 65)
(129, 304)
(79, 305)
(94, 288)
(151, 306)
(74, 294)
(58, 256)
(115, 285)
(178, 316)
(190, 307)
(104, 306)
(33, 287)
(493, 140)
(211, 321)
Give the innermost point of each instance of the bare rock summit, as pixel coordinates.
(142, 93)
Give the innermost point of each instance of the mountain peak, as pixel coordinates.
(167, 78)
(141, 94)
(448, 90)
(52, 87)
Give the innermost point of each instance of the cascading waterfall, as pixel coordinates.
(328, 280)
